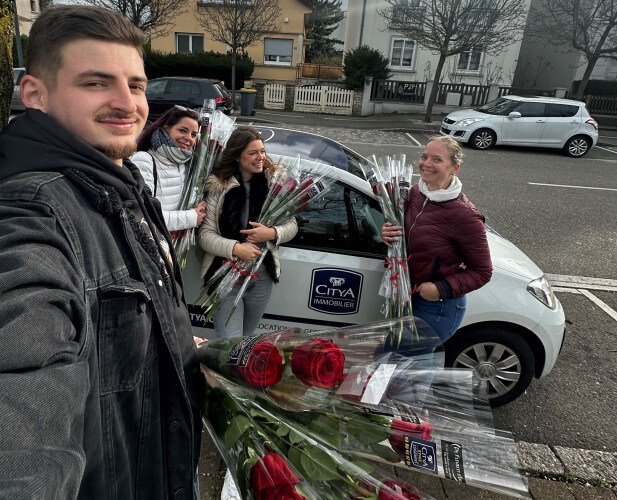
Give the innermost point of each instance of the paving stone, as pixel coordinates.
(589, 464)
(211, 469)
(591, 492)
(538, 459)
(460, 491)
(542, 489)
(425, 482)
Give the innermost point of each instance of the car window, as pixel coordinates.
(561, 110)
(183, 87)
(500, 106)
(342, 221)
(530, 109)
(17, 74)
(156, 87)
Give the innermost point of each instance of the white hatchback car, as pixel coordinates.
(525, 121)
(331, 271)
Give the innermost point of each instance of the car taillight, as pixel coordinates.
(220, 99)
(592, 122)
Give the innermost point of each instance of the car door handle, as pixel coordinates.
(540, 121)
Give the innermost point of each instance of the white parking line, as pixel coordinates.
(604, 149)
(413, 139)
(568, 186)
(581, 285)
(601, 304)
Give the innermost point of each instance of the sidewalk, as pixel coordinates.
(554, 474)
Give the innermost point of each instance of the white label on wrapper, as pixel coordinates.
(377, 384)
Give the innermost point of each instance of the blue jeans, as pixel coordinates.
(444, 316)
(248, 311)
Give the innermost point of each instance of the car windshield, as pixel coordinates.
(500, 106)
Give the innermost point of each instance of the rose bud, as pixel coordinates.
(272, 479)
(264, 367)
(290, 184)
(400, 429)
(275, 189)
(318, 363)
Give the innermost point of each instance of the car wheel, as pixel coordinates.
(577, 147)
(499, 356)
(482, 139)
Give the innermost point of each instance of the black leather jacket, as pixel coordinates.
(100, 389)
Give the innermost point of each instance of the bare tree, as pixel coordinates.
(154, 17)
(587, 26)
(451, 27)
(239, 24)
(7, 33)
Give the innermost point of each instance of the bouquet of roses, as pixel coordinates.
(294, 184)
(269, 459)
(215, 129)
(390, 180)
(354, 393)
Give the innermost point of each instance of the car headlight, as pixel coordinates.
(469, 121)
(542, 290)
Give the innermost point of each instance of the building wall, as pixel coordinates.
(291, 25)
(27, 12)
(366, 27)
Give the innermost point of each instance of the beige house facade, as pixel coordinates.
(276, 56)
(27, 12)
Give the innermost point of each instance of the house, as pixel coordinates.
(27, 12)
(410, 62)
(276, 56)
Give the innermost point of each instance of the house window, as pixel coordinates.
(407, 12)
(278, 51)
(470, 60)
(189, 43)
(33, 5)
(401, 53)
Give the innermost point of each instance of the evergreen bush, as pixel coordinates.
(362, 63)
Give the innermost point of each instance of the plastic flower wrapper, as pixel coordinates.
(216, 127)
(390, 180)
(350, 389)
(269, 459)
(293, 186)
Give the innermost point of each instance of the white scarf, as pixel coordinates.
(450, 193)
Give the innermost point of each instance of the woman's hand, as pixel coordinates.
(259, 233)
(429, 291)
(390, 233)
(201, 212)
(246, 252)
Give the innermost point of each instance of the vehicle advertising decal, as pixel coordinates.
(335, 291)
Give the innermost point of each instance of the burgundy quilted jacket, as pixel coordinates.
(446, 244)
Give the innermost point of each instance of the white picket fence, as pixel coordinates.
(274, 96)
(323, 99)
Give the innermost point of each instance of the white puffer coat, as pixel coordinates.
(169, 186)
(210, 239)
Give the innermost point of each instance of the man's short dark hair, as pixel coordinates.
(59, 25)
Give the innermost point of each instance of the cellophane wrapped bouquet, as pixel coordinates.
(215, 129)
(294, 184)
(321, 415)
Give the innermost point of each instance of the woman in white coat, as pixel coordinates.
(164, 151)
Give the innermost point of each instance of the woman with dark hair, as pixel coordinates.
(236, 191)
(164, 150)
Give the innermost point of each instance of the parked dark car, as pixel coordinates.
(163, 93)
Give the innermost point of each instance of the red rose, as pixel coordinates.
(275, 189)
(318, 363)
(264, 367)
(290, 184)
(401, 428)
(397, 491)
(271, 479)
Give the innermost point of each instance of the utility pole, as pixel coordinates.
(20, 56)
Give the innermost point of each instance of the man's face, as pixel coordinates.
(100, 96)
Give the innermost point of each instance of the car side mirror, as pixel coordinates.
(514, 114)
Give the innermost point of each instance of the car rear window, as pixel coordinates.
(156, 87)
(561, 110)
(184, 87)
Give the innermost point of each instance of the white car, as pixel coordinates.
(525, 121)
(331, 271)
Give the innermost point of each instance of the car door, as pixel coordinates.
(155, 94)
(331, 271)
(562, 122)
(526, 129)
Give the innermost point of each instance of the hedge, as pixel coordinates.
(597, 87)
(204, 65)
